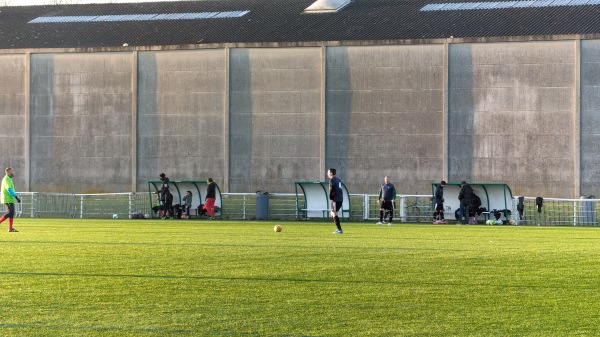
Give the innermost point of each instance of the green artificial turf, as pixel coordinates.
(238, 278)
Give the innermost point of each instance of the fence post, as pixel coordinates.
(80, 207)
(33, 197)
(244, 208)
(130, 208)
(366, 207)
(575, 215)
(403, 208)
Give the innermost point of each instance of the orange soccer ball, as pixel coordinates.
(277, 228)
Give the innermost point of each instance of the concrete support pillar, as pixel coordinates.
(323, 112)
(226, 116)
(26, 171)
(445, 158)
(577, 120)
(134, 114)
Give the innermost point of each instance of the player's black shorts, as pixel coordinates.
(439, 207)
(387, 205)
(10, 210)
(337, 205)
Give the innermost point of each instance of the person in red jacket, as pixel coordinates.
(209, 200)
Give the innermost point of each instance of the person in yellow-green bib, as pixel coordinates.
(8, 197)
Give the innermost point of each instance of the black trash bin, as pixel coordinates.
(587, 211)
(262, 205)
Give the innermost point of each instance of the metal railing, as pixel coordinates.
(282, 206)
(61, 205)
(556, 212)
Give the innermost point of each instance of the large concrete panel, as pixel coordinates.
(385, 116)
(81, 136)
(12, 110)
(590, 117)
(275, 118)
(180, 115)
(511, 115)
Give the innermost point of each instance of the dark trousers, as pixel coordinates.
(464, 212)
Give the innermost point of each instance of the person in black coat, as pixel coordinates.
(438, 197)
(475, 204)
(465, 197)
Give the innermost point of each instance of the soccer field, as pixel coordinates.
(237, 278)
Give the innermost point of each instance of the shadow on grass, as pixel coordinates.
(273, 279)
(142, 330)
(195, 244)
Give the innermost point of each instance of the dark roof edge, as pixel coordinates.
(449, 40)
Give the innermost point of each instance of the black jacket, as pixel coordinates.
(439, 194)
(210, 191)
(167, 198)
(466, 195)
(164, 186)
(475, 202)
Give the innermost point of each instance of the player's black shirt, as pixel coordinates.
(210, 190)
(335, 189)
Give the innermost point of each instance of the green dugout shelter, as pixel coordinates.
(493, 196)
(179, 187)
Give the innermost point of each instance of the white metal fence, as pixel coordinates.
(283, 206)
(556, 212)
(61, 205)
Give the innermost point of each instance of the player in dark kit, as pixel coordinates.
(164, 192)
(336, 198)
(438, 214)
(387, 199)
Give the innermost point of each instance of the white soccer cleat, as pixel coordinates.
(379, 223)
(389, 223)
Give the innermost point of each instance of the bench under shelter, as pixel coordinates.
(312, 200)
(494, 196)
(179, 187)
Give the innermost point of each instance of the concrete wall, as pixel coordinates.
(275, 122)
(590, 117)
(262, 118)
(180, 115)
(512, 114)
(14, 117)
(80, 115)
(385, 116)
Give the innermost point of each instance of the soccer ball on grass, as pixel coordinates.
(277, 228)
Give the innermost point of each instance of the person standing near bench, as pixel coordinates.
(162, 193)
(209, 200)
(336, 198)
(465, 196)
(438, 214)
(387, 199)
